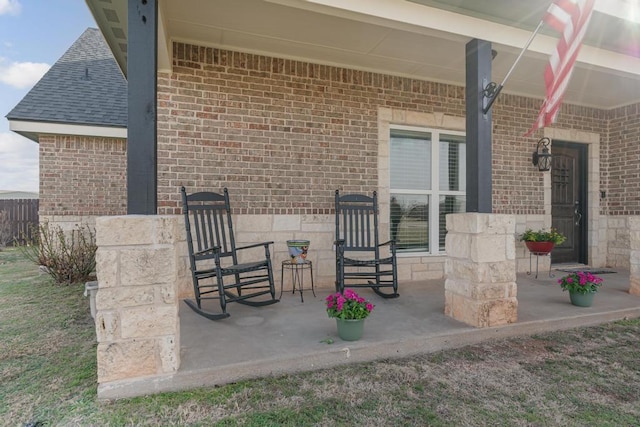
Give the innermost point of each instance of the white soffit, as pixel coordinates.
(21, 126)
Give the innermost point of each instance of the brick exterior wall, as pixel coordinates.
(623, 184)
(284, 134)
(82, 176)
(281, 134)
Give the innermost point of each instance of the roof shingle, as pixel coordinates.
(84, 87)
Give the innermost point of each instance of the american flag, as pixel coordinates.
(571, 18)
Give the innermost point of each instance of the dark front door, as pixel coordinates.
(569, 201)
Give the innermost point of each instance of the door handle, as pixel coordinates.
(577, 216)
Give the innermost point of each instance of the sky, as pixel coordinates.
(34, 34)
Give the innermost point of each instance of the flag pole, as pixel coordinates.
(492, 91)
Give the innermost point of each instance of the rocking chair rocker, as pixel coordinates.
(357, 233)
(214, 258)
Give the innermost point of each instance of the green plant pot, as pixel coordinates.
(350, 329)
(581, 300)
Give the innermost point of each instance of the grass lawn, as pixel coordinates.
(582, 377)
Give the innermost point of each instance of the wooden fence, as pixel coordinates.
(23, 218)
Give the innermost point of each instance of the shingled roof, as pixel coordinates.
(84, 87)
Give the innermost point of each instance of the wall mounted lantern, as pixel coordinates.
(542, 157)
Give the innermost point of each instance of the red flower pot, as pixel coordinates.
(539, 248)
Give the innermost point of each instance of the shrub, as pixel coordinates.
(68, 257)
(5, 229)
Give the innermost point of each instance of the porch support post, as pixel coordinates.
(634, 255)
(480, 287)
(142, 53)
(478, 129)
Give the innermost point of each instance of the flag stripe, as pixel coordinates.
(571, 18)
(558, 15)
(565, 55)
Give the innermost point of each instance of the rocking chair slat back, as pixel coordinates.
(357, 222)
(212, 225)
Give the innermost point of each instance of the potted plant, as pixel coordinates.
(349, 310)
(582, 287)
(541, 242)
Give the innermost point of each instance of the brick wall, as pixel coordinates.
(284, 134)
(623, 189)
(82, 176)
(281, 134)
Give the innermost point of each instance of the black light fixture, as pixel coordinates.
(542, 159)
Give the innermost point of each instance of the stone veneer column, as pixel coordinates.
(480, 285)
(634, 255)
(137, 323)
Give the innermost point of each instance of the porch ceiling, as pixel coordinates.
(423, 39)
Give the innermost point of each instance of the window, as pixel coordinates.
(427, 181)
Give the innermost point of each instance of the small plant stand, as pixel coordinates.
(538, 255)
(297, 276)
(539, 249)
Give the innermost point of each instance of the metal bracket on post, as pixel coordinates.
(489, 95)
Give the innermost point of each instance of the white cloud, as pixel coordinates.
(22, 75)
(10, 7)
(18, 163)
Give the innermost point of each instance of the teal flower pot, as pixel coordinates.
(350, 329)
(581, 300)
(298, 250)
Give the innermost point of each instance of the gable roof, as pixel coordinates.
(84, 87)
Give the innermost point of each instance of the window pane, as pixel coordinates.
(410, 222)
(453, 163)
(449, 204)
(410, 162)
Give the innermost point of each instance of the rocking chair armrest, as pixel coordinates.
(255, 245)
(213, 249)
(339, 242)
(391, 242)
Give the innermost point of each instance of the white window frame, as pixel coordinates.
(435, 192)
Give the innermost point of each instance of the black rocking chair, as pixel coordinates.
(357, 233)
(214, 258)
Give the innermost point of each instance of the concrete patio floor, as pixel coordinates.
(291, 336)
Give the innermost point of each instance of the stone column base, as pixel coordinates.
(481, 314)
(137, 320)
(480, 286)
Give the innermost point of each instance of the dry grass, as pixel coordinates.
(582, 377)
